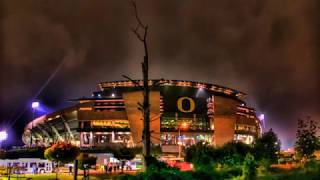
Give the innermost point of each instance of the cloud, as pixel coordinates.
(268, 49)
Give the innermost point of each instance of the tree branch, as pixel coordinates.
(139, 24)
(136, 14)
(136, 83)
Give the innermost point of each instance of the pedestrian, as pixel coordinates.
(70, 169)
(118, 166)
(106, 168)
(34, 169)
(110, 168)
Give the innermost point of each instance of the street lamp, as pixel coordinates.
(34, 106)
(182, 126)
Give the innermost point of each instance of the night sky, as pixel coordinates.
(269, 49)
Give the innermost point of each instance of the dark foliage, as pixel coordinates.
(267, 147)
(231, 154)
(201, 155)
(307, 140)
(154, 165)
(124, 153)
(62, 152)
(85, 161)
(249, 171)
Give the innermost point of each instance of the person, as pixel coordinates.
(122, 165)
(110, 168)
(34, 168)
(106, 168)
(70, 169)
(128, 164)
(118, 166)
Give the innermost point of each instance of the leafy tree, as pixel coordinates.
(231, 154)
(249, 171)
(155, 150)
(61, 153)
(124, 154)
(267, 147)
(85, 163)
(307, 140)
(200, 155)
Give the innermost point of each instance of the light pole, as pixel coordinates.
(34, 106)
(183, 126)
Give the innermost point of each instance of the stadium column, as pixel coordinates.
(224, 120)
(135, 117)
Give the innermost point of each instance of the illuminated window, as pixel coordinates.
(183, 139)
(194, 124)
(247, 139)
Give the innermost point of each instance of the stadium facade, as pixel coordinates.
(182, 113)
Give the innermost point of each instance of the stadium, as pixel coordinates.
(182, 113)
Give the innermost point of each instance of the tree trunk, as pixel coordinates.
(57, 170)
(145, 71)
(75, 170)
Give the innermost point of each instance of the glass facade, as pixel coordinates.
(174, 123)
(100, 138)
(248, 139)
(184, 139)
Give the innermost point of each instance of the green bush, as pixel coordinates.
(201, 156)
(229, 173)
(163, 174)
(154, 164)
(249, 171)
(267, 147)
(231, 154)
(265, 164)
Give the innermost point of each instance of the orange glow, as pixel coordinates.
(184, 125)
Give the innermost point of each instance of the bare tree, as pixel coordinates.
(142, 36)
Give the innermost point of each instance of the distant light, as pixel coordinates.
(99, 95)
(261, 117)
(200, 86)
(35, 105)
(184, 125)
(3, 135)
(113, 95)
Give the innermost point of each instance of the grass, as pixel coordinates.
(52, 176)
(312, 172)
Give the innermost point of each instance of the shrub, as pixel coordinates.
(267, 147)
(200, 155)
(249, 171)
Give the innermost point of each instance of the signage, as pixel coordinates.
(185, 101)
(190, 103)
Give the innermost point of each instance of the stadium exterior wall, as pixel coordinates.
(182, 113)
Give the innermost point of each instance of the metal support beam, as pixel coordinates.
(67, 127)
(56, 132)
